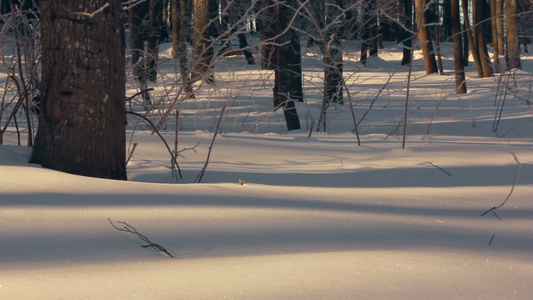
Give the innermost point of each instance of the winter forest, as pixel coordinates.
(266, 149)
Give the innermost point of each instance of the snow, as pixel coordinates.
(316, 218)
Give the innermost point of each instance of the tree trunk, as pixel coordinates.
(495, 35)
(473, 46)
(479, 37)
(288, 83)
(460, 85)
(332, 53)
(156, 15)
(268, 21)
(81, 124)
(370, 35)
(137, 14)
(513, 43)
(424, 37)
(405, 33)
(499, 25)
(179, 47)
(201, 68)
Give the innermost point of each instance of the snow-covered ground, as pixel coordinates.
(316, 218)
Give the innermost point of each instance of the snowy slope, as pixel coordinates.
(318, 218)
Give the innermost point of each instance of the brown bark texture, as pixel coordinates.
(81, 124)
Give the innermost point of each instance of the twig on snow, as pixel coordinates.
(493, 209)
(131, 229)
(431, 164)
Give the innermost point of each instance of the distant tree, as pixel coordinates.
(81, 124)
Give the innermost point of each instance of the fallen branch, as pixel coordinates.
(131, 229)
(493, 210)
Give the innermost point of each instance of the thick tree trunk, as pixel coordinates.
(460, 85)
(513, 43)
(424, 37)
(81, 124)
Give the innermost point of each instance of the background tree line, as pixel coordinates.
(277, 28)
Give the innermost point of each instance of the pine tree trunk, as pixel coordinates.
(513, 43)
(424, 38)
(81, 124)
(460, 85)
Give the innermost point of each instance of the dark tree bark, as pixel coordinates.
(424, 37)
(446, 28)
(81, 124)
(154, 38)
(405, 35)
(369, 45)
(332, 52)
(243, 44)
(460, 85)
(268, 20)
(288, 79)
(513, 43)
(137, 14)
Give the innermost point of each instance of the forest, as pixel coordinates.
(266, 149)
